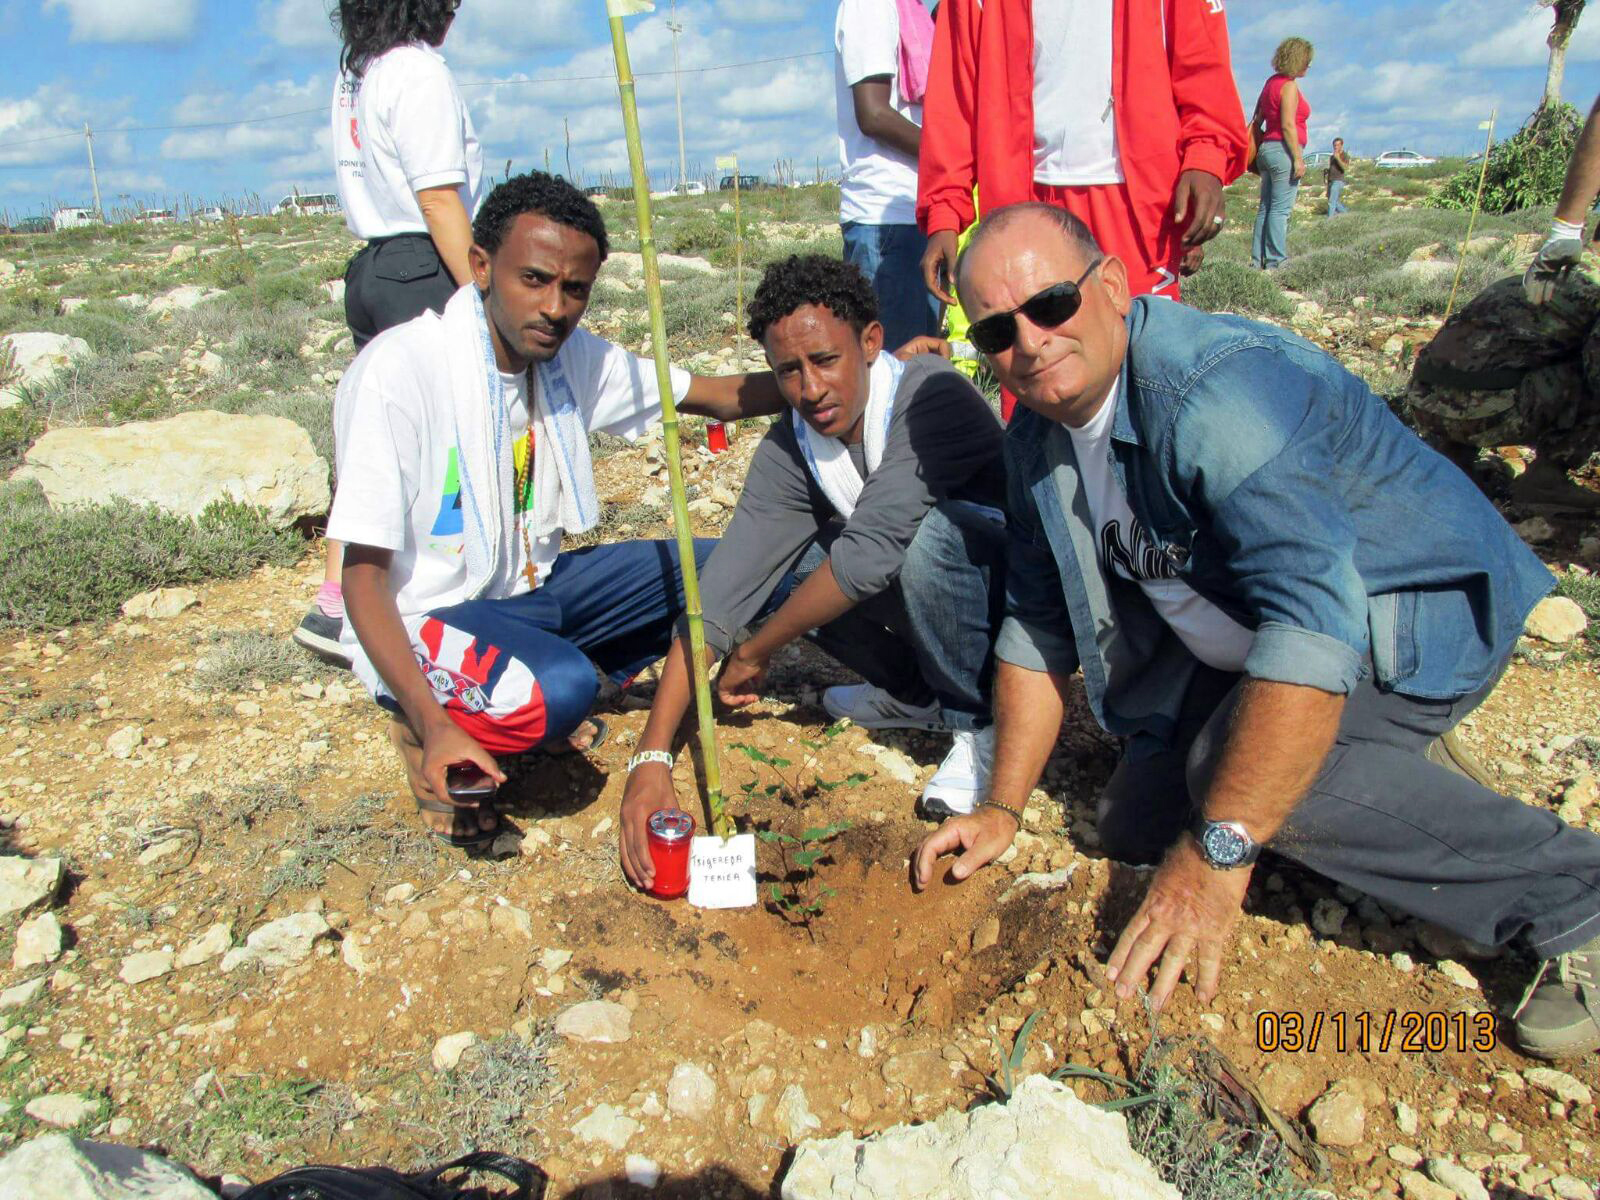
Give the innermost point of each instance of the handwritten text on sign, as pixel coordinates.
(722, 874)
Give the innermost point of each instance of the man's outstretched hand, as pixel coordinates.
(981, 836)
(1197, 205)
(742, 679)
(1188, 913)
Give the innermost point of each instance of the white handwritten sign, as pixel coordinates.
(722, 874)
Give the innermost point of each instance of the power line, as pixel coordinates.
(302, 112)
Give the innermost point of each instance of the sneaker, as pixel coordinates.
(1560, 1017)
(1450, 752)
(319, 633)
(962, 778)
(873, 708)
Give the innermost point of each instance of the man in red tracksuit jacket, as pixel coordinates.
(1123, 112)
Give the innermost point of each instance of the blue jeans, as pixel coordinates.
(520, 672)
(930, 635)
(1382, 818)
(1336, 205)
(1270, 245)
(890, 256)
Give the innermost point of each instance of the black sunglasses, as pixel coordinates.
(1054, 306)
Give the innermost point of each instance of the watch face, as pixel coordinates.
(1224, 846)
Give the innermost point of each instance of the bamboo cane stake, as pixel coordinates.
(669, 429)
(1461, 255)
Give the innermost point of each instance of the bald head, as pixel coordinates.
(1050, 221)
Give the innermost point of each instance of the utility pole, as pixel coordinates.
(94, 178)
(677, 86)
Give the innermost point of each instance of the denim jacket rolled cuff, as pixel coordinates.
(1288, 654)
(1035, 648)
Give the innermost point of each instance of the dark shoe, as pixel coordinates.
(1549, 487)
(319, 633)
(1450, 752)
(1559, 1017)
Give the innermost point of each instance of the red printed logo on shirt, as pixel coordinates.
(355, 134)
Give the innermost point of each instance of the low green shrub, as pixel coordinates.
(59, 568)
(1525, 170)
(1228, 286)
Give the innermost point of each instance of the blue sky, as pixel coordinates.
(1417, 73)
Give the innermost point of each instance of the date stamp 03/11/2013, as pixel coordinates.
(1293, 1032)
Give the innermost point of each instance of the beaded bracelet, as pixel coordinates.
(1005, 808)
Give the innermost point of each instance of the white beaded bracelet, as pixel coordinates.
(650, 756)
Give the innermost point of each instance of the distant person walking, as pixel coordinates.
(880, 74)
(1334, 174)
(410, 178)
(1282, 112)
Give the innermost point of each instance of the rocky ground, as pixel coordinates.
(225, 937)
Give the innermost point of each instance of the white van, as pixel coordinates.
(74, 218)
(309, 205)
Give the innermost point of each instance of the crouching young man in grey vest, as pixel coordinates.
(871, 520)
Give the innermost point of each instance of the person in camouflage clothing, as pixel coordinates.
(1519, 365)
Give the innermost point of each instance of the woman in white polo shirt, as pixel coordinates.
(410, 177)
(409, 167)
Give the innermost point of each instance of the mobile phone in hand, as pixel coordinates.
(468, 785)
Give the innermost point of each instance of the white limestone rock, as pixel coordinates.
(54, 1166)
(598, 1021)
(1042, 1144)
(38, 357)
(691, 1092)
(184, 464)
(40, 940)
(27, 883)
(280, 943)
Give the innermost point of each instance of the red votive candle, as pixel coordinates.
(716, 437)
(670, 830)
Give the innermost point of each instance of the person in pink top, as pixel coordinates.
(1280, 124)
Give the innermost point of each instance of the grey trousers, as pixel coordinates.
(1384, 820)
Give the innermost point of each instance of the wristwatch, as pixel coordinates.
(1224, 844)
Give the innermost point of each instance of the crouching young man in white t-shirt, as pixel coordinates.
(463, 448)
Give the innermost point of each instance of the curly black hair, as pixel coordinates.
(802, 279)
(549, 196)
(369, 28)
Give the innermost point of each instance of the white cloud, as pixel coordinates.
(298, 24)
(1521, 42)
(129, 20)
(760, 12)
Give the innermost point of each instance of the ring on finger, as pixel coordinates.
(1217, 220)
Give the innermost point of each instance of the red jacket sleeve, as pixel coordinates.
(945, 163)
(1211, 125)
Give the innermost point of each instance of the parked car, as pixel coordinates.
(746, 183)
(74, 218)
(695, 187)
(308, 205)
(154, 216)
(33, 225)
(1317, 158)
(215, 214)
(1404, 158)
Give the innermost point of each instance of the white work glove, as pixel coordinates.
(1556, 258)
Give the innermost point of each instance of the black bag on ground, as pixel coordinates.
(382, 1183)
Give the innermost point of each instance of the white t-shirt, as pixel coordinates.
(1122, 545)
(1074, 129)
(877, 184)
(394, 434)
(400, 128)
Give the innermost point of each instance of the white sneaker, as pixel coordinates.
(873, 708)
(962, 780)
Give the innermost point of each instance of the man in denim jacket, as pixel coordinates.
(1280, 597)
